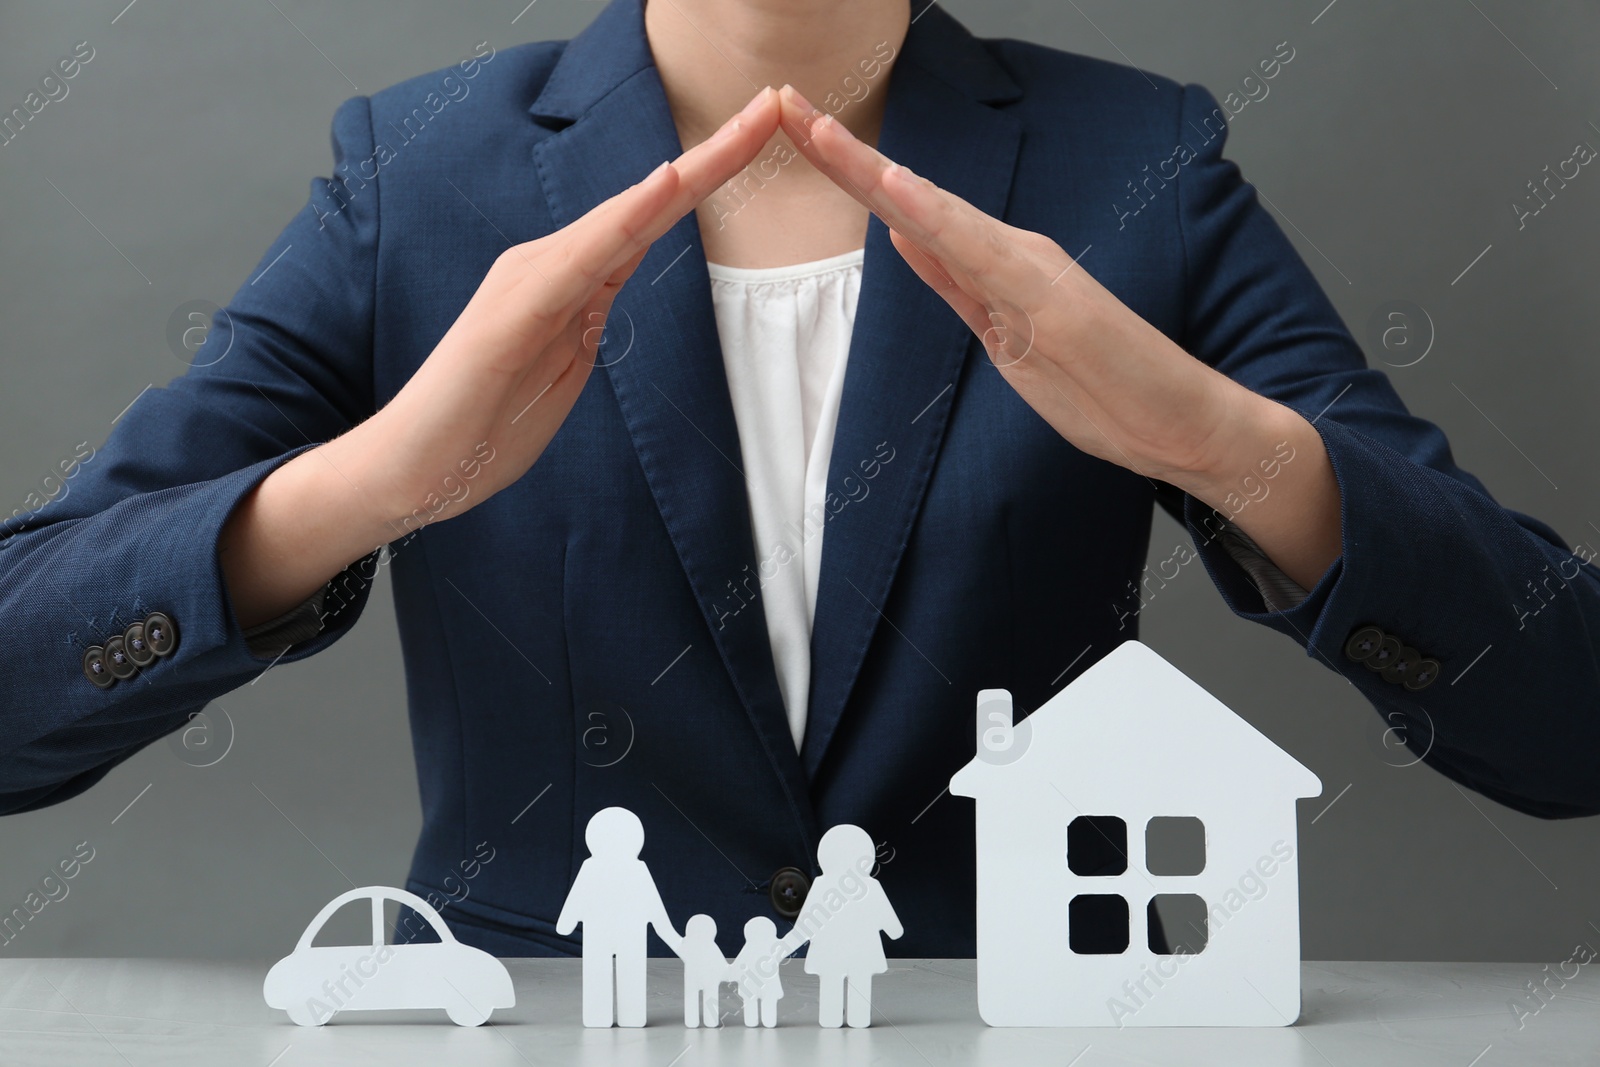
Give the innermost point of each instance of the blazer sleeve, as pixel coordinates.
(285, 366)
(1509, 613)
(300, 623)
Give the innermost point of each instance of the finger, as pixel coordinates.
(966, 241)
(571, 264)
(972, 311)
(928, 268)
(584, 332)
(602, 249)
(544, 397)
(722, 156)
(1005, 328)
(620, 276)
(619, 228)
(796, 119)
(572, 335)
(594, 321)
(561, 270)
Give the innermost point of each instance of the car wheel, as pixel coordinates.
(302, 1015)
(465, 1014)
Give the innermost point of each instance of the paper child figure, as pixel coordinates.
(704, 970)
(756, 971)
(842, 917)
(615, 899)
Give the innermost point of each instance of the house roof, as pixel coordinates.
(1133, 725)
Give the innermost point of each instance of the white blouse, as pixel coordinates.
(785, 334)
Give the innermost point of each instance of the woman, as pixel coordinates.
(783, 595)
(844, 925)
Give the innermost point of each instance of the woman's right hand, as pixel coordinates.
(499, 384)
(511, 367)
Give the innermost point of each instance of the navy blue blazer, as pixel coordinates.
(617, 585)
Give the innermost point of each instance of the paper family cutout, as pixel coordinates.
(616, 900)
(1136, 866)
(1187, 912)
(842, 916)
(315, 982)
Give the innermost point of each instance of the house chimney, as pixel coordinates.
(996, 733)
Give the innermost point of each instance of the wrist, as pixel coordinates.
(317, 495)
(358, 468)
(284, 539)
(1278, 453)
(1232, 429)
(1253, 437)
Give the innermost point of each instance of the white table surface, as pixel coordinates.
(61, 1012)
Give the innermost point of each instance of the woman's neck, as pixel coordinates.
(714, 55)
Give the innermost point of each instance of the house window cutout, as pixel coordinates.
(1175, 845)
(1097, 846)
(1097, 924)
(1177, 924)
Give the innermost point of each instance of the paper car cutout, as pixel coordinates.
(315, 982)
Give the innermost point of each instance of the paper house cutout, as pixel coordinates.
(1135, 743)
(315, 982)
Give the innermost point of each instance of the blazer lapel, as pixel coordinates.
(670, 385)
(906, 351)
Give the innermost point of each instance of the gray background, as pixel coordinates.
(1395, 142)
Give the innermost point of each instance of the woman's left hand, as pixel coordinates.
(1106, 380)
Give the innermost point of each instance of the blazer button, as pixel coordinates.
(139, 649)
(116, 654)
(161, 633)
(1423, 674)
(788, 892)
(1400, 670)
(95, 669)
(1363, 643)
(1387, 652)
